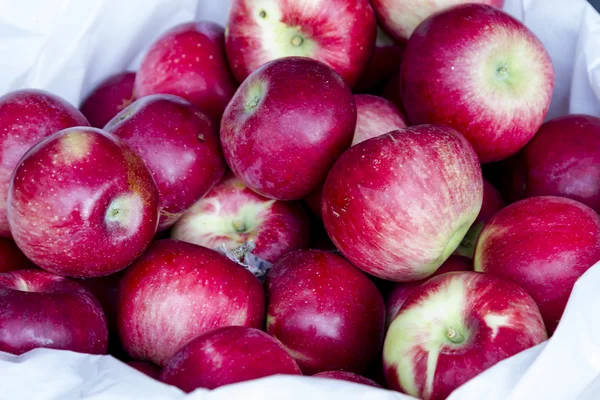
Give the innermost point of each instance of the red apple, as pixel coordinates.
(482, 72)
(286, 125)
(313, 201)
(105, 289)
(189, 61)
(82, 204)
(326, 312)
(26, 117)
(454, 327)
(391, 92)
(180, 146)
(40, 309)
(376, 116)
(108, 99)
(401, 17)
(12, 258)
(544, 244)
(339, 33)
(383, 64)
(232, 215)
(562, 159)
(225, 356)
(177, 291)
(398, 205)
(347, 376)
(149, 369)
(402, 290)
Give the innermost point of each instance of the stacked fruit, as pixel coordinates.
(248, 204)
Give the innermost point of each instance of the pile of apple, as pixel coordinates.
(249, 204)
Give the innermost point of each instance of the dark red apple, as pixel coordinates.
(402, 290)
(398, 205)
(108, 98)
(12, 258)
(391, 92)
(347, 376)
(105, 289)
(455, 326)
(376, 116)
(180, 146)
(177, 291)
(480, 71)
(26, 117)
(225, 356)
(149, 369)
(286, 125)
(339, 33)
(82, 204)
(326, 312)
(41, 309)
(231, 215)
(544, 244)
(562, 159)
(383, 64)
(189, 61)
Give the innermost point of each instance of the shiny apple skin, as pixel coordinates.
(109, 98)
(376, 116)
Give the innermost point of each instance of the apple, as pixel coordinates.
(338, 33)
(82, 204)
(146, 368)
(26, 117)
(544, 244)
(480, 71)
(383, 64)
(562, 159)
(402, 290)
(376, 116)
(105, 289)
(180, 146)
(313, 201)
(286, 125)
(391, 92)
(400, 18)
(108, 98)
(232, 215)
(455, 326)
(492, 203)
(326, 312)
(12, 258)
(225, 356)
(177, 291)
(399, 204)
(189, 61)
(347, 376)
(41, 309)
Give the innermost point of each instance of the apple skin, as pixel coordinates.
(105, 289)
(402, 290)
(455, 326)
(26, 117)
(108, 98)
(383, 64)
(286, 125)
(562, 159)
(82, 204)
(399, 204)
(149, 369)
(180, 146)
(544, 244)
(189, 61)
(231, 215)
(225, 356)
(326, 312)
(177, 291)
(12, 258)
(41, 309)
(480, 71)
(376, 116)
(337, 32)
(347, 376)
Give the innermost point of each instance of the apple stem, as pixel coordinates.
(297, 40)
(454, 336)
(244, 257)
(239, 226)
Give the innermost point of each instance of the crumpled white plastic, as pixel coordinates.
(69, 46)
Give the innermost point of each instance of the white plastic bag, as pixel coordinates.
(69, 46)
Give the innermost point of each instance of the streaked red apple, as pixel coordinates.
(109, 98)
(26, 117)
(82, 204)
(544, 244)
(12, 258)
(376, 116)
(232, 215)
(480, 71)
(398, 205)
(286, 125)
(177, 291)
(225, 356)
(189, 61)
(41, 309)
(455, 326)
(347, 376)
(383, 64)
(339, 33)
